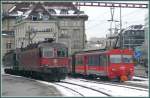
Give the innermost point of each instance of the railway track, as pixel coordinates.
(130, 86)
(128, 83)
(70, 89)
(109, 88)
(87, 89)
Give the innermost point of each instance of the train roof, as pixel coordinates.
(54, 45)
(111, 51)
(43, 44)
(90, 51)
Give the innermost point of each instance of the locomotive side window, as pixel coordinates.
(127, 59)
(115, 58)
(47, 52)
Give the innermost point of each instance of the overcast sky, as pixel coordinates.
(97, 24)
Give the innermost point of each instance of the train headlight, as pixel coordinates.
(131, 69)
(113, 69)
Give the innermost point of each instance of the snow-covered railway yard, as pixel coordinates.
(83, 87)
(77, 87)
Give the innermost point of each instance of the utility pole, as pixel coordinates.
(58, 31)
(121, 37)
(29, 36)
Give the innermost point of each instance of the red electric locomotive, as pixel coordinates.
(113, 64)
(45, 60)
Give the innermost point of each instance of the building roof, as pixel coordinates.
(60, 9)
(19, 7)
(68, 5)
(36, 9)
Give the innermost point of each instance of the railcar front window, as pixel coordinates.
(115, 58)
(127, 59)
(47, 52)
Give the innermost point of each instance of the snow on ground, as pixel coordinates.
(113, 90)
(20, 86)
(145, 83)
(142, 81)
(139, 78)
(68, 93)
(86, 92)
(63, 91)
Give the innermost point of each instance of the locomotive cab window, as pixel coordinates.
(62, 52)
(47, 52)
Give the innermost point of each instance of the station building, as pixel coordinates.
(8, 42)
(36, 22)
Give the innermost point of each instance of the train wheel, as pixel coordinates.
(91, 77)
(8, 71)
(117, 79)
(57, 79)
(47, 77)
(104, 78)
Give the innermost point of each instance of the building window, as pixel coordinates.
(34, 18)
(40, 15)
(8, 45)
(64, 34)
(64, 11)
(45, 17)
(47, 39)
(52, 11)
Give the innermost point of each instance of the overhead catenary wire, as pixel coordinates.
(96, 25)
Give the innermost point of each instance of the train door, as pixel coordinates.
(104, 64)
(79, 64)
(93, 65)
(73, 62)
(85, 60)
